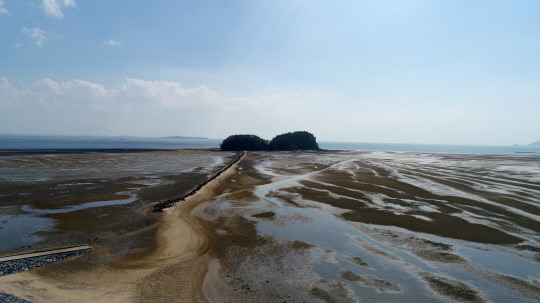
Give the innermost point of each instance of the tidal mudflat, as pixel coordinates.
(289, 226)
(377, 227)
(52, 199)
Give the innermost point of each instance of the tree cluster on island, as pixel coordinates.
(299, 140)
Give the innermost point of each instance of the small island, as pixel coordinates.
(299, 140)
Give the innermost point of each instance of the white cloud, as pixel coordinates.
(3, 10)
(52, 7)
(134, 92)
(168, 94)
(141, 107)
(73, 91)
(35, 34)
(7, 91)
(111, 42)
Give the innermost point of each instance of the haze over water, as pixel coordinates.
(89, 142)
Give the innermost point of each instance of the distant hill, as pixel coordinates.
(537, 143)
(244, 142)
(182, 137)
(300, 140)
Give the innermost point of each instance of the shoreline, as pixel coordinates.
(62, 151)
(71, 151)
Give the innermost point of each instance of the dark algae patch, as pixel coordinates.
(265, 215)
(440, 256)
(452, 289)
(530, 289)
(357, 261)
(370, 281)
(297, 244)
(331, 292)
(323, 196)
(442, 225)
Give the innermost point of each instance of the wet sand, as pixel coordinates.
(377, 226)
(326, 227)
(170, 269)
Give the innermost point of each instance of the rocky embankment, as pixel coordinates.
(162, 205)
(24, 264)
(19, 265)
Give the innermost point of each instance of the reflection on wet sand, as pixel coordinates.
(378, 226)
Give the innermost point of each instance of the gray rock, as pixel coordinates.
(6, 298)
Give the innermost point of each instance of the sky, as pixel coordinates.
(440, 72)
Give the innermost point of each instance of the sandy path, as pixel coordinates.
(173, 272)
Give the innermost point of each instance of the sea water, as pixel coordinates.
(89, 142)
(432, 148)
(96, 142)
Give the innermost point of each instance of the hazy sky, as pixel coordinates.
(456, 72)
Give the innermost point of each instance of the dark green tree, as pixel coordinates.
(244, 142)
(300, 140)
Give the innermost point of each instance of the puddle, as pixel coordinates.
(503, 263)
(18, 231)
(67, 209)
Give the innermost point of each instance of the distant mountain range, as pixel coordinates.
(537, 143)
(182, 137)
(96, 137)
